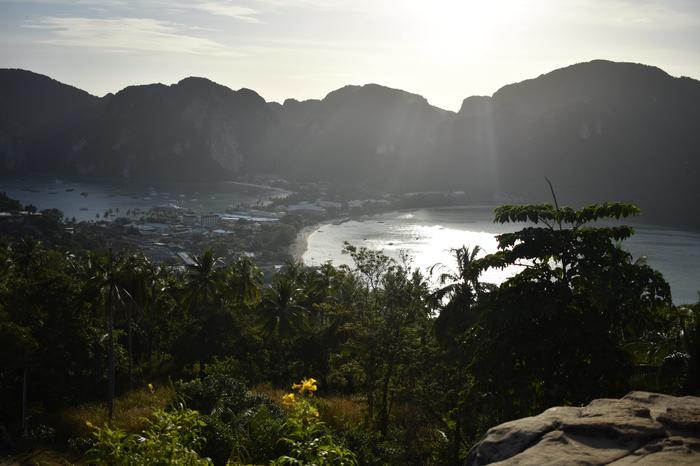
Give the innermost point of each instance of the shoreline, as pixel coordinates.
(301, 242)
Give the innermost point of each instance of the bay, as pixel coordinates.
(429, 235)
(86, 199)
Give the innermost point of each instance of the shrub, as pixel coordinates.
(307, 438)
(241, 425)
(172, 437)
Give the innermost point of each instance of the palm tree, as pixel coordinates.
(245, 281)
(281, 317)
(204, 281)
(105, 285)
(137, 276)
(461, 289)
(294, 270)
(282, 312)
(319, 289)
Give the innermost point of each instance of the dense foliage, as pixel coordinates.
(403, 374)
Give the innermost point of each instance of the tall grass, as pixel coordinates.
(336, 411)
(130, 410)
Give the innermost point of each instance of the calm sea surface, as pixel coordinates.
(427, 235)
(84, 199)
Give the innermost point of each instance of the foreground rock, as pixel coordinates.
(640, 429)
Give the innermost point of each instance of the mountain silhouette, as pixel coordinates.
(599, 130)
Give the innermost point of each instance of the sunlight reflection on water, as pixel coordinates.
(428, 235)
(418, 234)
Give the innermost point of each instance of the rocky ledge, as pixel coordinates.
(640, 429)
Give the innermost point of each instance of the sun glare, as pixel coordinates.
(451, 29)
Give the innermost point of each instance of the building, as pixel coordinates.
(209, 220)
(306, 208)
(165, 211)
(331, 205)
(186, 258)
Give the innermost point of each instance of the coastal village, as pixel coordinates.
(270, 232)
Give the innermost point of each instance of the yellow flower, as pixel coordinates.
(306, 386)
(309, 385)
(288, 399)
(150, 387)
(89, 424)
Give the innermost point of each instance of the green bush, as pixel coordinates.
(172, 437)
(241, 425)
(308, 439)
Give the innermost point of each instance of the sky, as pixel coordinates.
(445, 50)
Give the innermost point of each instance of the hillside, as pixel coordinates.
(194, 129)
(603, 130)
(368, 134)
(587, 127)
(36, 112)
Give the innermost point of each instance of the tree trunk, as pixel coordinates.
(24, 393)
(110, 357)
(131, 353)
(456, 442)
(386, 406)
(149, 330)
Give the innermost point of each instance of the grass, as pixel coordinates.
(338, 411)
(334, 410)
(130, 410)
(40, 458)
(275, 394)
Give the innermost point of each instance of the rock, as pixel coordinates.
(640, 429)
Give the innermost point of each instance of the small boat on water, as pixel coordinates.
(70, 190)
(83, 208)
(84, 193)
(53, 192)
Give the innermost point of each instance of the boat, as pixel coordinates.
(83, 208)
(69, 190)
(84, 193)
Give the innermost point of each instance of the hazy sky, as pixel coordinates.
(445, 50)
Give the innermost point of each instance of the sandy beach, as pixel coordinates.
(298, 247)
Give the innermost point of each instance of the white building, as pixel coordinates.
(306, 208)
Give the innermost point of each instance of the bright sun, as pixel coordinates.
(451, 27)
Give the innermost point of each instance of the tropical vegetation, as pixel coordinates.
(384, 367)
